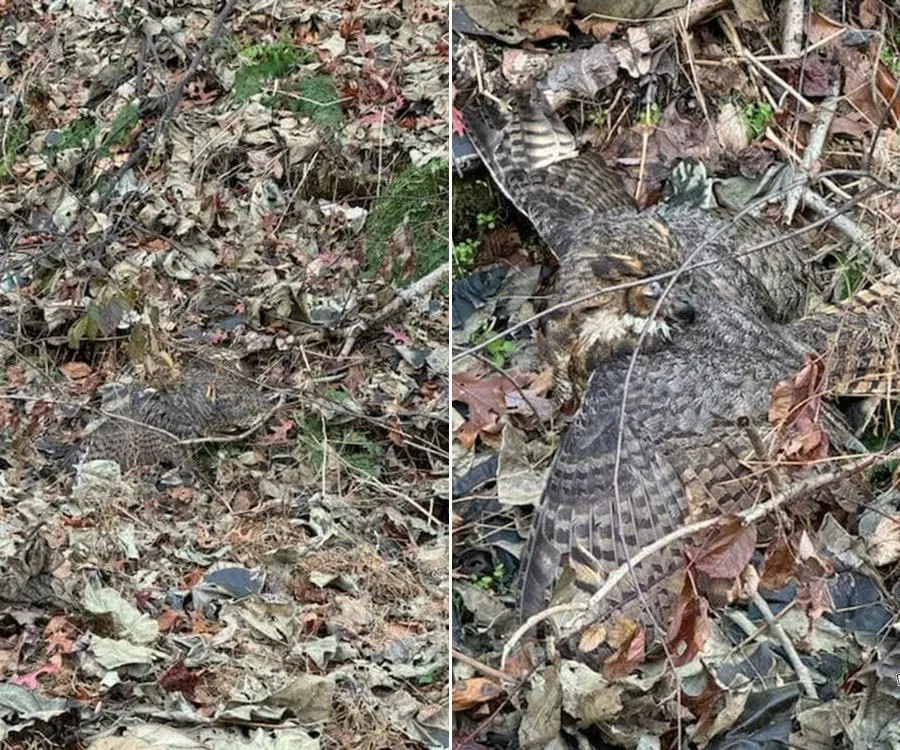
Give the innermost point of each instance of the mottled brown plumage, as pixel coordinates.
(580, 208)
(686, 453)
(148, 426)
(700, 385)
(859, 340)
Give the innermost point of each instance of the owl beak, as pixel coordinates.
(682, 308)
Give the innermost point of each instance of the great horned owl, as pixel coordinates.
(686, 449)
(146, 426)
(580, 208)
(700, 390)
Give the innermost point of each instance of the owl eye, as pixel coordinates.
(653, 290)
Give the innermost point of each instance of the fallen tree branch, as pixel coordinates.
(814, 146)
(793, 657)
(792, 28)
(479, 666)
(419, 288)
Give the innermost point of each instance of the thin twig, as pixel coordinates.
(814, 145)
(771, 470)
(417, 289)
(771, 75)
(482, 667)
(793, 657)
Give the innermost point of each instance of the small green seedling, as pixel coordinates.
(758, 115)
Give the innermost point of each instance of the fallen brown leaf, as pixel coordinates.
(728, 553)
(886, 83)
(794, 411)
(884, 544)
(592, 637)
(628, 656)
(486, 399)
(76, 370)
(690, 625)
(475, 692)
(778, 566)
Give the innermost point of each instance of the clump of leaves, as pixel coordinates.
(758, 115)
(101, 317)
(497, 351)
(488, 582)
(464, 254)
(890, 51)
(82, 133)
(78, 134)
(853, 272)
(266, 62)
(599, 117)
(487, 221)
(360, 454)
(417, 197)
(880, 476)
(122, 124)
(315, 97)
(881, 436)
(891, 59)
(471, 197)
(225, 48)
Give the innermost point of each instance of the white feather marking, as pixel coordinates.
(602, 326)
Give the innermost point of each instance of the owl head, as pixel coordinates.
(610, 302)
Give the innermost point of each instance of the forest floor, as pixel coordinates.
(264, 185)
(724, 91)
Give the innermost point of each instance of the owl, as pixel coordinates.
(672, 430)
(624, 275)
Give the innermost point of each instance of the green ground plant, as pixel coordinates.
(10, 148)
(417, 196)
(464, 254)
(318, 100)
(360, 454)
(261, 63)
(757, 115)
(487, 221)
(488, 582)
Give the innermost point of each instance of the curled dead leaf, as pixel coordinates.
(630, 640)
(76, 370)
(794, 411)
(778, 565)
(689, 630)
(886, 83)
(793, 559)
(486, 399)
(592, 638)
(884, 544)
(728, 553)
(475, 692)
